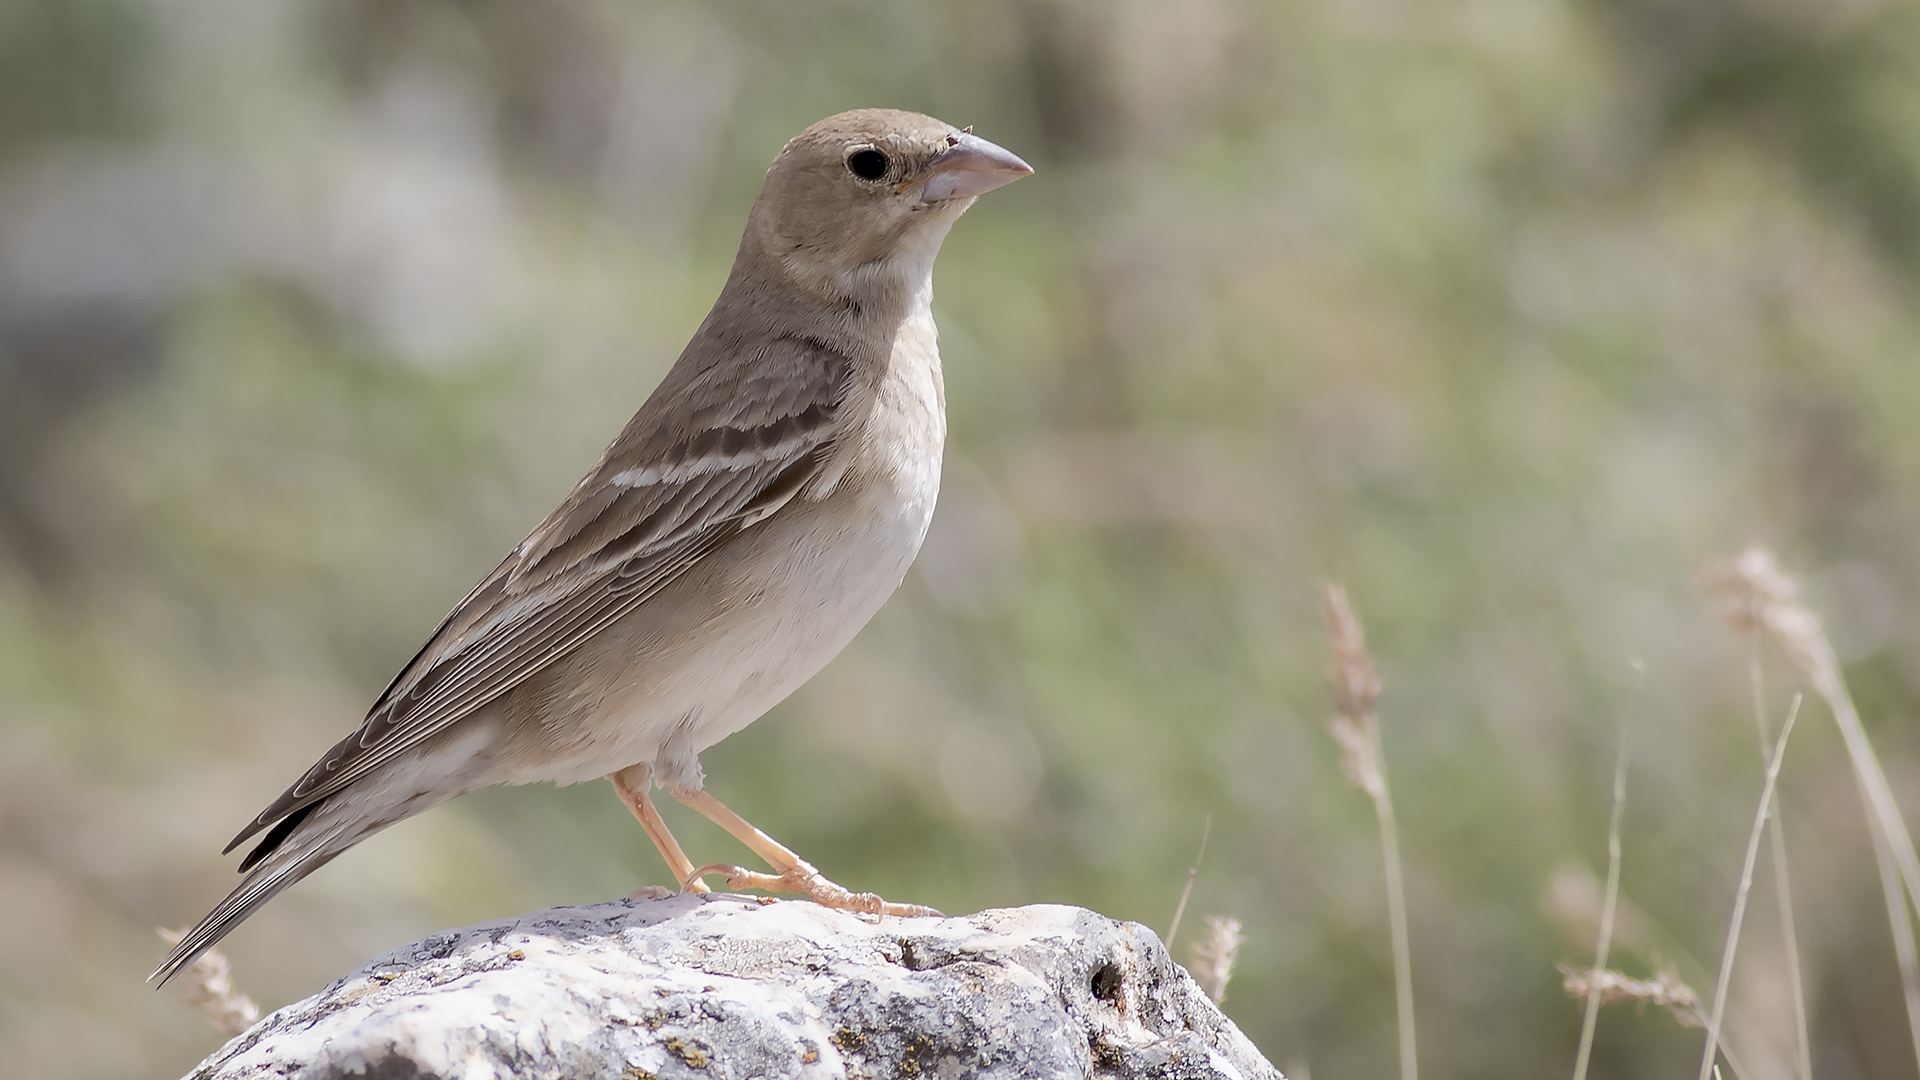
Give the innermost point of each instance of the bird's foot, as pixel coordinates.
(661, 892)
(804, 879)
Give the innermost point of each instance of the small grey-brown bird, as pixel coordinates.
(750, 518)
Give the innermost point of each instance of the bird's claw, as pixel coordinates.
(805, 880)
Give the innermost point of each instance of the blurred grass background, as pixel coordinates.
(1511, 314)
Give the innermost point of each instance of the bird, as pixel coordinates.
(755, 513)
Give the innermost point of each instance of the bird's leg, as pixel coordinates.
(631, 785)
(794, 874)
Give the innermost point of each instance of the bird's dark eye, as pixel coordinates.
(868, 164)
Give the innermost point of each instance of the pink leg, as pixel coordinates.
(793, 874)
(631, 785)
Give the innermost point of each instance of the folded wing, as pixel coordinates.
(668, 491)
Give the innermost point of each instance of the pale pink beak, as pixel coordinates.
(971, 166)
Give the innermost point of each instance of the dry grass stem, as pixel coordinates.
(1594, 995)
(209, 985)
(1758, 597)
(1903, 950)
(1211, 960)
(1782, 883)
(1665, 990)
(1180, 909)
(1725, 978)
(1356, 688)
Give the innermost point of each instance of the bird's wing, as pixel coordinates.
(716, 449)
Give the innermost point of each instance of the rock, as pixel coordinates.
(729, 987)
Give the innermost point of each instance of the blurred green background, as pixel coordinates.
(1510, 314)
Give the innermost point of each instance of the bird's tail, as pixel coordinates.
(309, 838)
(290, 853)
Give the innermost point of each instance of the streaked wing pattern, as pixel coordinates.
(667, 492)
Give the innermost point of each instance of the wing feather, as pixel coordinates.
(707, 456)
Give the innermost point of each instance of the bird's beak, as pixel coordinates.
(971, 166)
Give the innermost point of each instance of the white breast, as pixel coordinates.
(846, 553)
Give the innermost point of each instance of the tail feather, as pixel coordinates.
(286, 865)
(310, 836)
(272, 841)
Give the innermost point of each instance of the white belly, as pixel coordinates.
(839, 579)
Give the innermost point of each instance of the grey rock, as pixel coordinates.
(728, 987)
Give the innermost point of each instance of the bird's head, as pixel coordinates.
(859, 202)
